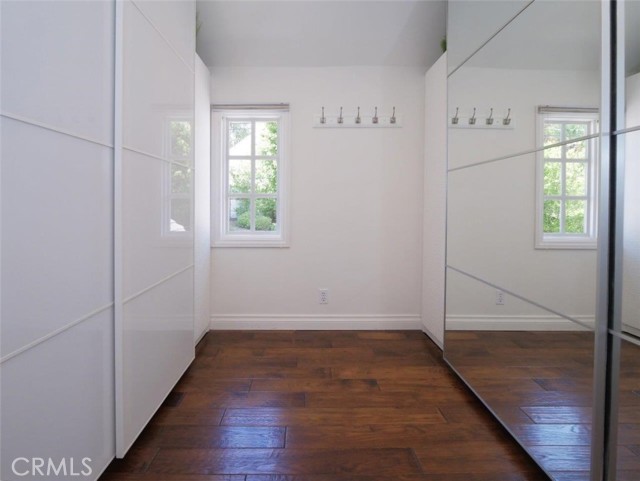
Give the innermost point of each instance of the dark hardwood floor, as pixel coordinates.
(323, 406)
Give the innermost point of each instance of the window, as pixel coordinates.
(250, 163)
(566, 179)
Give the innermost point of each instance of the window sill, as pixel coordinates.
(251, 242)
(567, 243)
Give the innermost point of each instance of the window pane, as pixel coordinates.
(239, 138)
(576, 180)
(266, 214)
(180, 132)
(267, 138)
(239, 214)
(180, 179)
(239, 176)
(574, 220)
(552, 173)
(577, 150)
(573, 131)
(552, 135)
(266, 176)
(180, 215)
(551, 216)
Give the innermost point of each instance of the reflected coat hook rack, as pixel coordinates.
(457, 121)
(357, 120)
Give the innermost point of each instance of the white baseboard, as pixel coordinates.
(517, 323)
(338, 322)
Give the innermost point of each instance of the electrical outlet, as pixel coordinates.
(323, 296)
(499, 298)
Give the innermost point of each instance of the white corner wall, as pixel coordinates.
(435, 201)
(56, 361)
(202, 201)
(356, 206)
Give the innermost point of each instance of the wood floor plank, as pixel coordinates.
(222, 437)
(389, 399)
(170, 477)
(315, 385)
(187, 417)
(388, 436)
(259, 399)
(330, 416)
(559, 414)
(558, 434)
(285, 461)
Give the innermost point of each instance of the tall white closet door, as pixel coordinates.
(56, 341)
(154, 208)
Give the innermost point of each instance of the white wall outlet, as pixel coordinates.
(499, 298)
(323, 296)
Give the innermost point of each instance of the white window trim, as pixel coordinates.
(219, 235)
(565, 241)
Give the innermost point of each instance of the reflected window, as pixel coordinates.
(178, 208)
(566, 184)
(251, 171)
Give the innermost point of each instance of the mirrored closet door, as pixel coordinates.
(531, 281)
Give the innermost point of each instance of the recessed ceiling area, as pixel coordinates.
(320, 33)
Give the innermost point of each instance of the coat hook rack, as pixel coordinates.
(355, 119)
(454, 119)
(489, 120)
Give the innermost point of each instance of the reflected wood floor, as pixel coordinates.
(322, 406)
(540, 385)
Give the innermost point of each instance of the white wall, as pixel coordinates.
(57, 384)
(154, 266)
(202, 201)
(356, 206)
(491, 207)
(435, 199)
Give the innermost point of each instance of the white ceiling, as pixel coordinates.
(320, 33)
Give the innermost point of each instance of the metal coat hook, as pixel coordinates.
(358, 119)
(341, 118)
(375, 116)
(392, 120)
(490, 118)
(454, 119)
(507, 120)
(472, 119)
(323, 119)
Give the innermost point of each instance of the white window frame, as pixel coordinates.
(221, 235)
(561, 240)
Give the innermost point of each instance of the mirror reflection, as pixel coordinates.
(627, 407)
(521, 225)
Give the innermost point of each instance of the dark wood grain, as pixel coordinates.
(331, 406)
